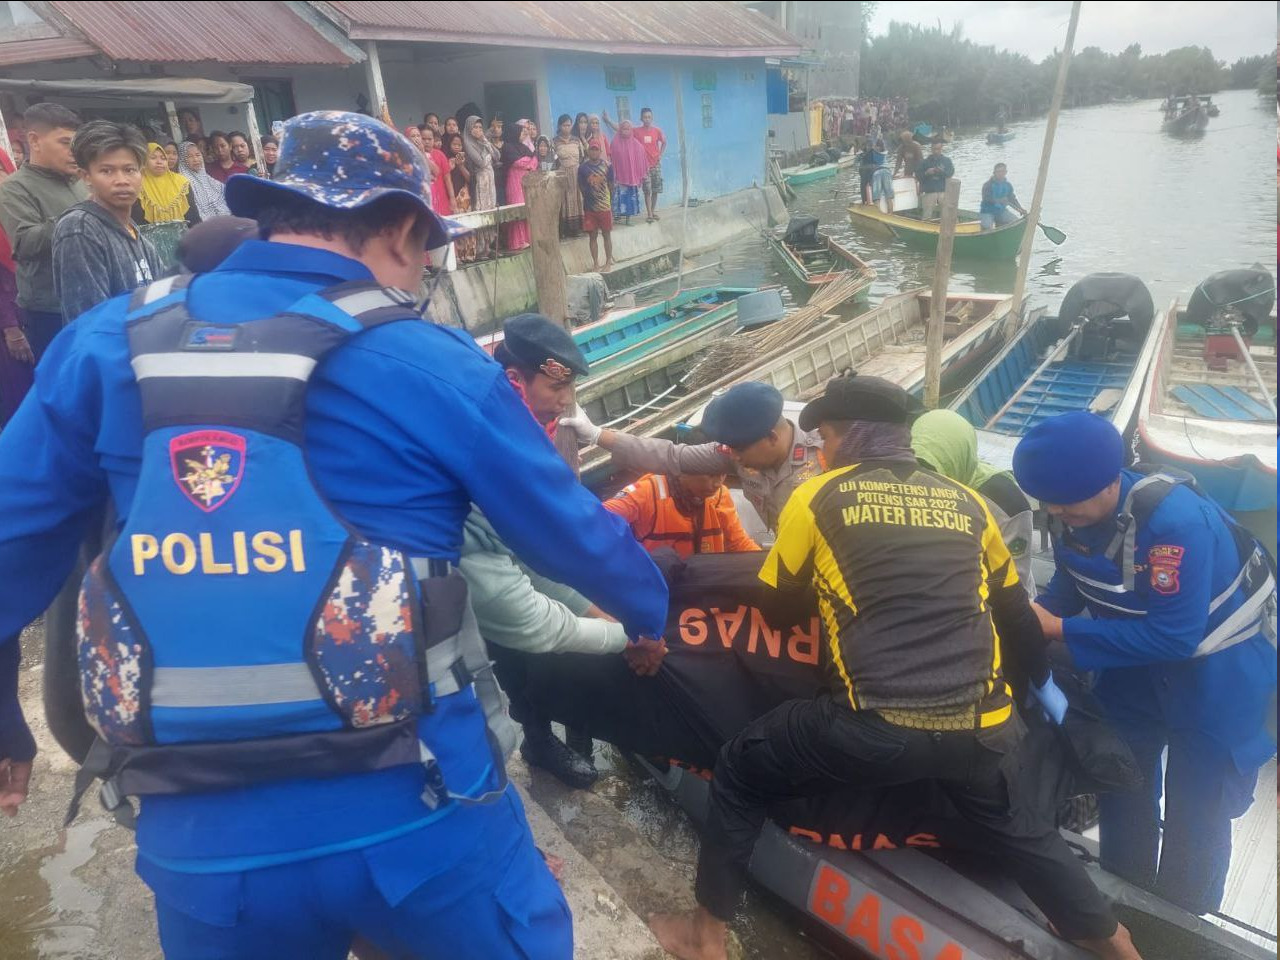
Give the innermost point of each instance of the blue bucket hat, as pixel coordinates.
(342, 160)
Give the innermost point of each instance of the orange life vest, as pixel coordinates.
(657, 522)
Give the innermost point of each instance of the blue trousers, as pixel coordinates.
(500, 903)
(1203, 792)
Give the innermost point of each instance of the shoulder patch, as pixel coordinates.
(1164, 561)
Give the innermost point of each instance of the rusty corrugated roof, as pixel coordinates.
(714, 28)
(231, 31)
(43, 50)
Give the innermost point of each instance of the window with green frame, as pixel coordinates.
(707, 117)
(704, 79)
(619, 78)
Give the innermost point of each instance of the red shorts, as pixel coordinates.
(593, 220)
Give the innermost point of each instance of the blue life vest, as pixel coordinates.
(1000, 190)
(236, 630)
(1107, 579)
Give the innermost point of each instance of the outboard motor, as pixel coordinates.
(801, 231)
(1110, 308)
(1244, 297)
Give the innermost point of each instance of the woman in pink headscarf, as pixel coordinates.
(630, 164)
(519, 158)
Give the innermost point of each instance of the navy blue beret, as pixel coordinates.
(1068, 459)
(536, 343)
(743, 414)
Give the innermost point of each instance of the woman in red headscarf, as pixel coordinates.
(17, 361)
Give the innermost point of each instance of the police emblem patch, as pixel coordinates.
(207, 466)
(1164, 562)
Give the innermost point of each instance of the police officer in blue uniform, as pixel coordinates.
(276, 654)
(1181, 604)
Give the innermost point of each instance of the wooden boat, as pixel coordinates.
(888, 342)
(798, 175)
(817, 258)
(657, 356)
(1093, 355)
(971, 241)
(1204, 411)
(1185, 116)
(996, 136)
(621, 335)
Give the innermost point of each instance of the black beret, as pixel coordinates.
(536, 343)
(852, 397)
(743, 414)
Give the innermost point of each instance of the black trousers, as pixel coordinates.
(808, 747)
(512, 668)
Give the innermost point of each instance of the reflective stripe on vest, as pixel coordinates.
(1255, 614)
(236, 630)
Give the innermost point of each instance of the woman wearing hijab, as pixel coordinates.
(17, 360)
(414, 134)
(946, 443)
(165, 195)
(206, 192)
(596, 135)
(438, 164)
(570, 150)
(460, 178)
(481, 155)
(518, 158)
(630, 164)
(546, 156)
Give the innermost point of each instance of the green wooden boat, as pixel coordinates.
(798, 175)
(972, 241)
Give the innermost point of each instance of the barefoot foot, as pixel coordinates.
(690, 936)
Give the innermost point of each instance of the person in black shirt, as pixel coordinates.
(932, 176)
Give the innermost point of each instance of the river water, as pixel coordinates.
(1128, 196)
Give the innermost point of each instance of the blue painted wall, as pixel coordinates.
(723, 158)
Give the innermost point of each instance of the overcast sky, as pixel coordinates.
(1037, 27)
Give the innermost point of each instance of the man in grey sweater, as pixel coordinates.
(520, 613)
(98, 252)
(31, 201)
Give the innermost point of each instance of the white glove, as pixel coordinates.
(588, 433)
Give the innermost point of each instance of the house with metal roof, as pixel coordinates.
(700, 64)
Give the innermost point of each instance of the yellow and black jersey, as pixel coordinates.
(903, 562)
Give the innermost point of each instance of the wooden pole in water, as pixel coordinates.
(543, 194)
(684, 175)
(938, 302)
(1033, 215)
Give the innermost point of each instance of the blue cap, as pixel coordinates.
(743, 414)
(1068, 459)
(342, 160)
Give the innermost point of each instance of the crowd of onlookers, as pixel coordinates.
(476, 165)
(98, 208)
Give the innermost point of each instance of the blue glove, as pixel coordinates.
(1052, 700)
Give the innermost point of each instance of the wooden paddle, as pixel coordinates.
(1056, 236)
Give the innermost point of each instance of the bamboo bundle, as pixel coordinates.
(745, 348)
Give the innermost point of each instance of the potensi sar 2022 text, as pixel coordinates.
(905, 505)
